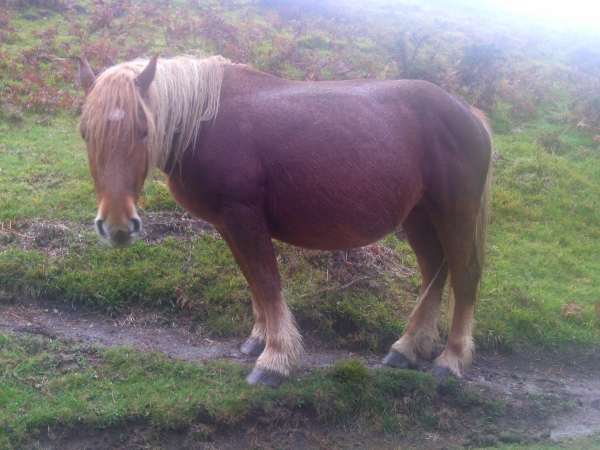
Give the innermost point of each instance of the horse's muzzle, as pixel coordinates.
(120, 235)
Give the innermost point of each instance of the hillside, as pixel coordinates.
(539, 87)
(538, 83)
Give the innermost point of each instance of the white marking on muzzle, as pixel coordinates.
(100, 227)
(119, 236)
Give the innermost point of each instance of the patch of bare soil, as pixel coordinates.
(55, 238)
(52, 238)
(548, 394)
(177, 225)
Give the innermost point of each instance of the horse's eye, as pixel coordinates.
(84, 137)
(143, 135)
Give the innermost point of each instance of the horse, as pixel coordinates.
(328, 165)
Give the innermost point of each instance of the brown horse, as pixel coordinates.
(328, 165)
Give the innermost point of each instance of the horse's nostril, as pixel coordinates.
(100, 228)
(137, 225)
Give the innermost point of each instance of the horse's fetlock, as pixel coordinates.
(451, 363)
(278, 362)
(259, 332)
(425, 342)
(281, 353)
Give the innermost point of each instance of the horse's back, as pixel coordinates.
(333, 164)
(399, 121)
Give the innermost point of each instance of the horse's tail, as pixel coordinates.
(485, 208)
(485, 203)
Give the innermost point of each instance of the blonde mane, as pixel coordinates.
(185, 92)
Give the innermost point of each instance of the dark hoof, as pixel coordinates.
(396, 359)
(259, 376)
(253, 347)
(441, 372)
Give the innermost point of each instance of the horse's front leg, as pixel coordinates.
(257, 341)
(246, 233)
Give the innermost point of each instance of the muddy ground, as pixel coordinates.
(549, 395)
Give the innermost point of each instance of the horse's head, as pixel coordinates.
(115, 125)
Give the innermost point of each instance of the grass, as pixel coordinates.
(44, 171)
(47, 385)
(543, 246)
(542, 252)
(50, 384)
(542, 281)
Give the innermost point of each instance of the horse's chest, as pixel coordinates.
(194, 200)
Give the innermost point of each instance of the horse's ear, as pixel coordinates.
(144, 79)
(86, 76)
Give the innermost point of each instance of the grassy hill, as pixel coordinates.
(538, 84)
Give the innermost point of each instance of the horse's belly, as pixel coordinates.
(321, 241)
(334, 228)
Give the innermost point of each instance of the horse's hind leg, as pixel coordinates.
(421, 333)
(458, 236)
(248, 236)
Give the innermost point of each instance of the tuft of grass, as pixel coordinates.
(351, 372)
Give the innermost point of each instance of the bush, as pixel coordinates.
(480, 73)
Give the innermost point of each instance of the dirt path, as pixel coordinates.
(545, 392)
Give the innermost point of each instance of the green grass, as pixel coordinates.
(543, 248)
(44, 171)
(542, 254)
(46, 383)
(542, 281)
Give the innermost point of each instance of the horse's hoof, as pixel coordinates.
(441, 372)
(396, 359)
(259, 376)
(253, 347)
